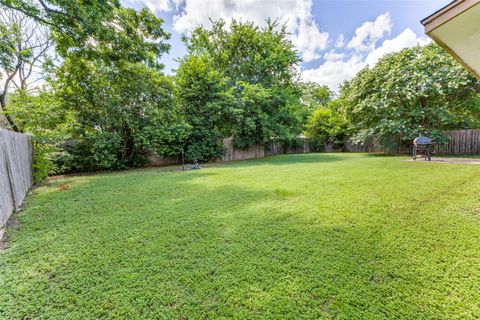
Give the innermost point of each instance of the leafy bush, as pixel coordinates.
(326, 126)
(122, 114)
(43, 161)
(204, 145)
(98, 151)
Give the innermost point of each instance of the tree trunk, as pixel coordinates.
(3, 105)
(3, 97)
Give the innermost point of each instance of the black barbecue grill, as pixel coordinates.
(422, 146)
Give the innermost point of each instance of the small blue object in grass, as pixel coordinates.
(196, 165)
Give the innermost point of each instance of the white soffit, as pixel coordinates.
(459, 32)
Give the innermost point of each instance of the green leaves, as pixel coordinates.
(117, 104)
(123, 113)
(205, 104)
(326, 125)
(41, 115)
(421, 90)
(240, 81)
(43, 161)
(7, 48)
(99, 29)
(313, 96)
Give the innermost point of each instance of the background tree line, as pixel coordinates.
(86, 80)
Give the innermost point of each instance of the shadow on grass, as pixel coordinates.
(277, 263)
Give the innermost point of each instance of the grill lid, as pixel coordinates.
(422, 140)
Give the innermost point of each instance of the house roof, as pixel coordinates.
(456, 27)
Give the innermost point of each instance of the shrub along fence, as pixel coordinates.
(16, 157)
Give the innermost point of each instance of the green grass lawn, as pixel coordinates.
(313, 236)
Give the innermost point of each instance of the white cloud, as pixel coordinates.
(406, 39)
(367, 35)
(342, 61)
(296, 14)
(309, 41)
(307, 37)
(156, 5)
(424, 41)
(339, 67)
(340, 41)
(332, 55)
(333, 73)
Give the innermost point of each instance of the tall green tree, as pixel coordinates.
(205, 103)
(245, 52)
(420, 90)
(110, 81)
(258, 69)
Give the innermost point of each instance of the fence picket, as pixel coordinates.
(15, 171)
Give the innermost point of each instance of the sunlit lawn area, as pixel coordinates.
(347, 236)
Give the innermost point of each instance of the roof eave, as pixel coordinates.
(441, 17)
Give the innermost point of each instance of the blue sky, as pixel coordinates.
(335, 38)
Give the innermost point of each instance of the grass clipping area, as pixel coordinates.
(313, 236)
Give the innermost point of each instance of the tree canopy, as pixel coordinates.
(246, 52)
(420, 90)
(99, 29)
(254, 70)
(314, 96)
(205, 105)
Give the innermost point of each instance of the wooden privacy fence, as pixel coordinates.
(260, 151)
(460, 142)
(232, 153)
(256, 151)
(371, 145)
(16, 156)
